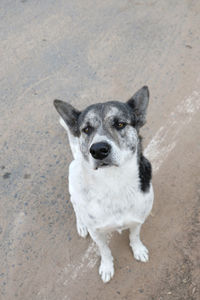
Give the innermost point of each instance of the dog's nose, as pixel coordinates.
(100, 150)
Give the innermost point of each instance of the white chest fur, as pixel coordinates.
(109, 198)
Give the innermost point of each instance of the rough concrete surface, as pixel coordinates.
(84, 52)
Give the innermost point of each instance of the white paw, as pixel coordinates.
(140, 252)
(82, 230)
(106, 271)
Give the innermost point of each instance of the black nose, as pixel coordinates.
(100, 150)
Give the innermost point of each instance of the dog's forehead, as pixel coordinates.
(103, 111)
(115, 109)
(90, 115)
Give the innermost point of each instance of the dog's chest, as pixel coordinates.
(109, 200)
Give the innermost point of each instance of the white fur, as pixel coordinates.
(73, 141)
(106, 200)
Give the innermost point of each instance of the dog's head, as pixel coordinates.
(107, 132)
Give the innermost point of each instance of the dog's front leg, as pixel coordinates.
(81, 228)
(140, 252)
(106, 269)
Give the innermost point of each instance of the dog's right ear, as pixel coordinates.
(69, 114)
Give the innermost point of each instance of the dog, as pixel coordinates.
(109, 178)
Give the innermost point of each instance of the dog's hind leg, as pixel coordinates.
(106, 269)
(140, 252)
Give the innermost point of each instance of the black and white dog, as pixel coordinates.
(109, 178)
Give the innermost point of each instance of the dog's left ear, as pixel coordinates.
(139, 103)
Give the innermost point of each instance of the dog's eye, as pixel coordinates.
(87, 130)
(120, 125)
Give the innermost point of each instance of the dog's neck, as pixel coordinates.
(128, 172)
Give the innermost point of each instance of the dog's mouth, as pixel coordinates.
(103, 165)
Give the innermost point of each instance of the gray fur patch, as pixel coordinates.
(102, 120)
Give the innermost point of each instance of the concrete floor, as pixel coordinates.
(84, 52)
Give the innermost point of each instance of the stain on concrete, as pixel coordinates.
(6, 175)
(27, 176)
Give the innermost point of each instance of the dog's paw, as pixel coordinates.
(140, 252)
(106, 271)
(82, 230)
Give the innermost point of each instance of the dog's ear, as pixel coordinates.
(69, 114)
(139, 103)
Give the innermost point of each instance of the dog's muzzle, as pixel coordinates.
(100, 150)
